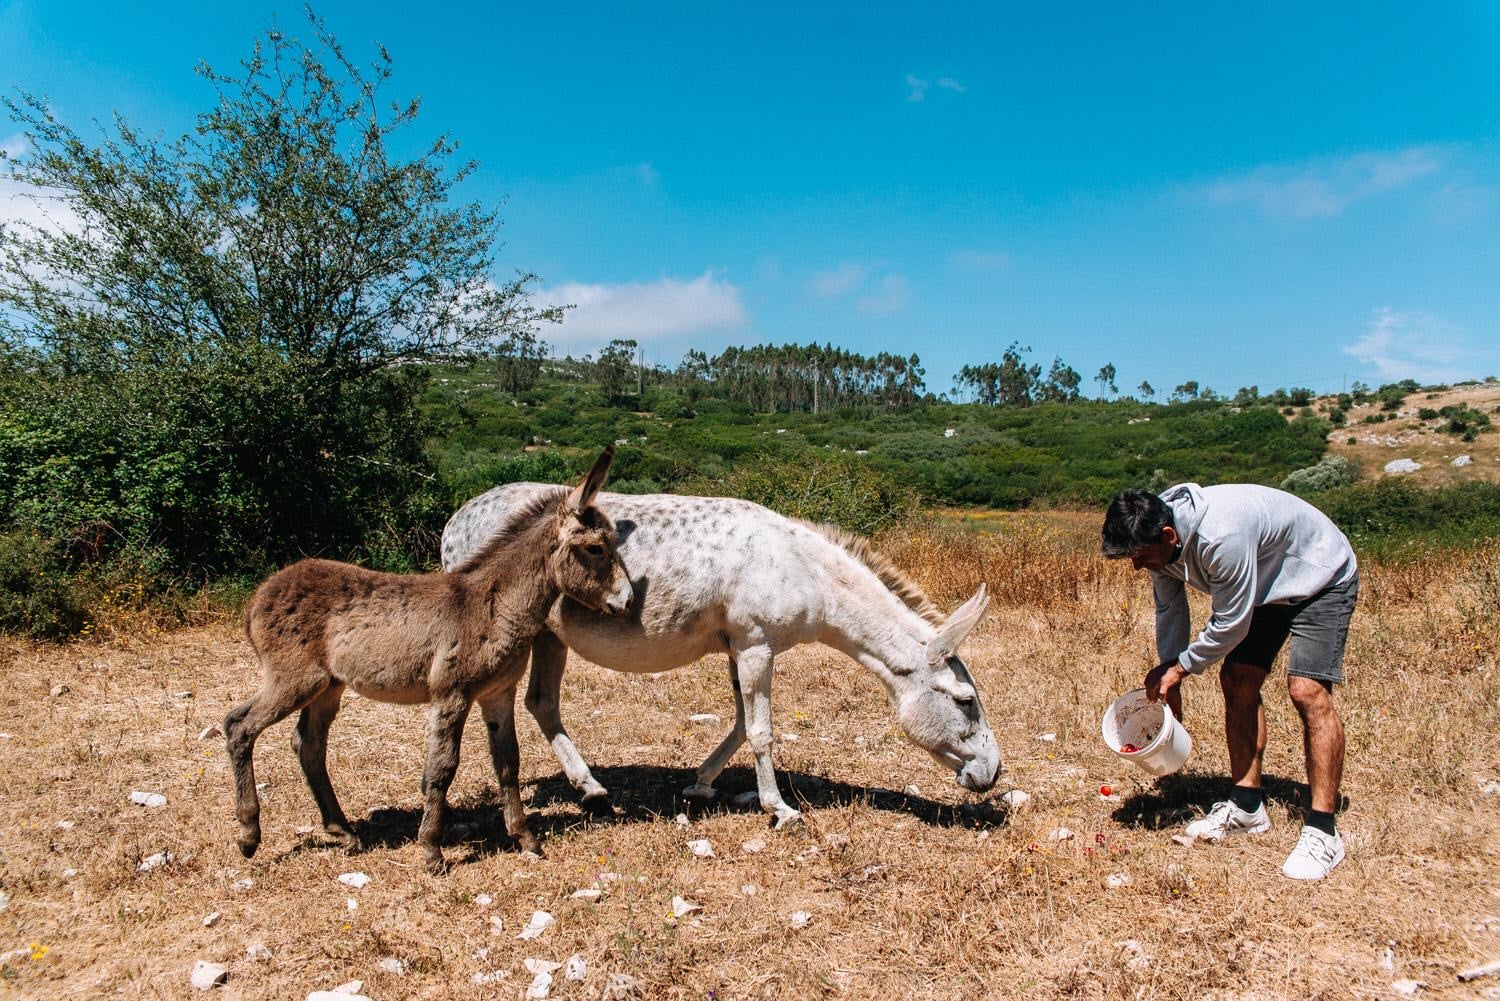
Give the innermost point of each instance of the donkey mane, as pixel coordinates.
(895, 579)
(520, 522)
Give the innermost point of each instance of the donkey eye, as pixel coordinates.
(594, 549)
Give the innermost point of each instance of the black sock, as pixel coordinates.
(1248, 800)
(1322, 821)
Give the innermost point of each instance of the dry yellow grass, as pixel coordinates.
(910, 895)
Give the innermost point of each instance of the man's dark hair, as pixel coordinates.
(1135, 518)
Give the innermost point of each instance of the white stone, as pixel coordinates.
(483, 900)
(540, 986)
(577, 968)
(1048, 737)
(912, 790)
(209, 920)
(705, 719)
(1388, 960)
(587, 893)
(790, 737)
(682, 908)
(492, 977)
(1115, 880)
(1015, 799)
(150, 800)
(1462, 460)
(257, 951)
(949, 432)
(184, 694)
(351, 904)
(353, 880)
(65, 825)
(1402, 466)
(681, 820)
(1408, 988)
(69, 873)
(540, 922)
(535, 966)
(497, 924)
(206, 976)
(59, 690)
(4, 901)
(391, 965)
(1185, 840)
(350, 987)
(703, 848)
(1060, 834)
(754, 846)
(800, 919)
(749, 889)
(154, 861)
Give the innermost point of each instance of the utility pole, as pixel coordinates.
(640, 373)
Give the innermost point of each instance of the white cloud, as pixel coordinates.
(1418, 346)
(890, 295)
(919, 86)
(1325, 188)
(838, 282)
(644, 311)
(25, 205)
(979, 260)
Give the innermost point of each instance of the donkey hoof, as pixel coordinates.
(436, 866)
(598, 806)
(248, 843)
(700, 793)
(347, 841)
(790, 821)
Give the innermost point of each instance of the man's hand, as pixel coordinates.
(1162, 683)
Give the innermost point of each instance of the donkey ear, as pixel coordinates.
(957, 627)
(583, 494)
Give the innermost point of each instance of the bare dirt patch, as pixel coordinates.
(907, 889)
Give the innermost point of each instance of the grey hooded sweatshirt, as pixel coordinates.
(1244, 546)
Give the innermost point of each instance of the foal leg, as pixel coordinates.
(275, 701)
(310, 741)
(445, 727)
(755, 669)
(713, 765)
(499, 709)
(544, 700)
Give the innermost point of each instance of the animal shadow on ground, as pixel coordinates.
(639, 793)
(1178, 797)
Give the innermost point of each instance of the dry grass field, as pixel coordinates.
(910, 887)
(1406, 436)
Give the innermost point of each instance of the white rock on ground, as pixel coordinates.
(353, 880)
(1185, 840)
(587, 893)
(4, 901)
(577, 968)
(483, 900)
(753, 847)
(1408, 988)
(1061, 834)
(1048, 737)
(391, 965)
(1402, 466)
(206, 976)
(1461, 461)
(257, 951)
(705, 719)
(681, 820)
(682, 907)
(749, 889)
(541, 971)
(1115, 880)
(492, 977)
(1015, 799)
(540, 922)
(154, 861)
(703, 848)
(209, 920)
(800, 919)
(150, 800)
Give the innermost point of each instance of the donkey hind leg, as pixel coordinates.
(445, 727)
(755, 669)
(245, 722)
(544, 700)
(310, 741)
(713, 765)
(499, 709)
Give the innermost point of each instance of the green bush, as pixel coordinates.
(40, 594)
(1392, 516)
(1333, 471)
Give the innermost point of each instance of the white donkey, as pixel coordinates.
(722, 575)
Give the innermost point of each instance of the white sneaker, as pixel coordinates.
(1315, 855)
(1226, 819)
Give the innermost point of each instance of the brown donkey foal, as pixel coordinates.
(447, 639)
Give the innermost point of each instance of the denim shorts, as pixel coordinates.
(1318, 627)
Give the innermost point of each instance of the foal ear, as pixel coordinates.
(583, 494)
(957, 627)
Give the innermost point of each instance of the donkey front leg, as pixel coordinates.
(310, 742)
(499, 709)
(544, 700)
(713, 765)
(445, 727)
(755, 669)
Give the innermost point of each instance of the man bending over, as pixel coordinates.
(1274, 567)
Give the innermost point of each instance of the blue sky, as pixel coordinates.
(1270, 194)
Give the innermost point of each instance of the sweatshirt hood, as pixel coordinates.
(1188, 507)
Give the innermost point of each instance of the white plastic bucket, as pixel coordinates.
(1162, 742)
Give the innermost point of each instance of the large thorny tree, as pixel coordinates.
(204, 339)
